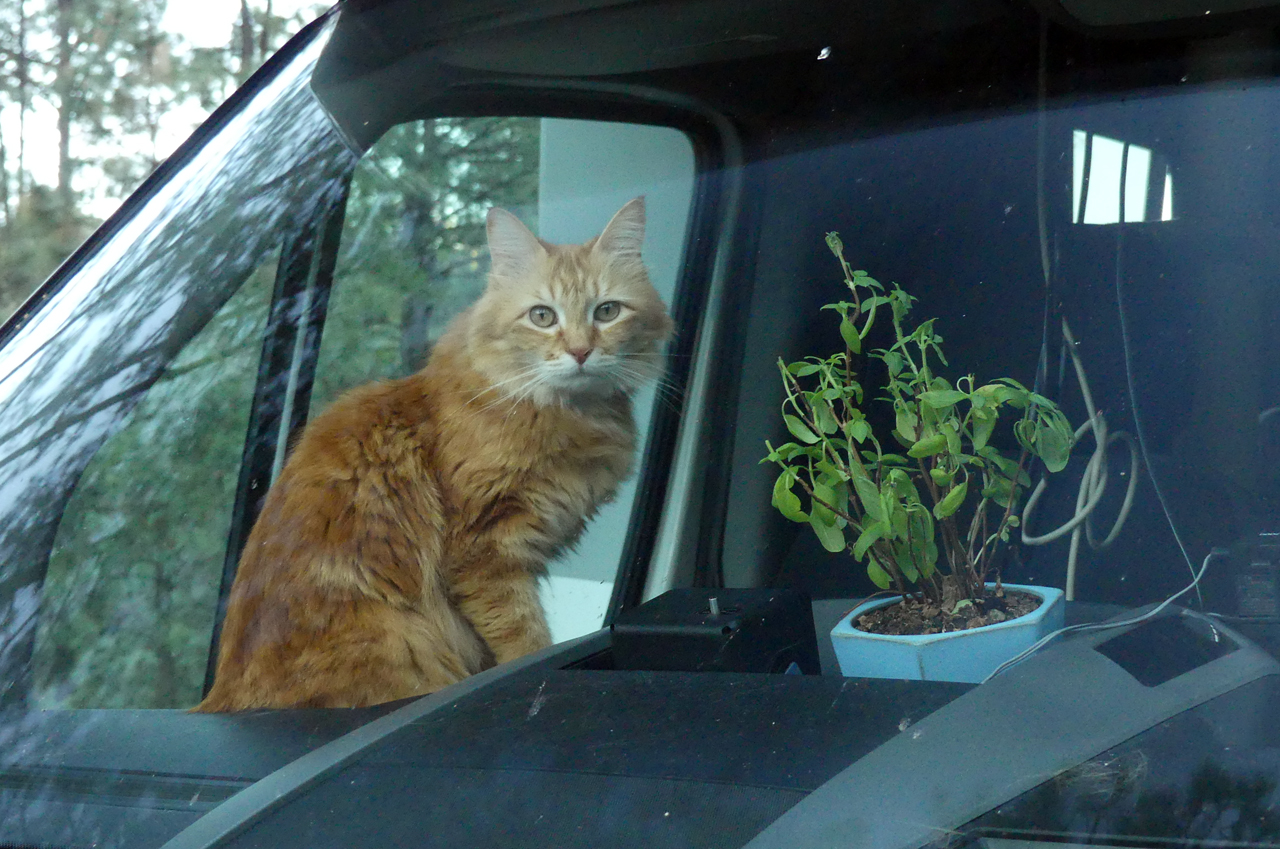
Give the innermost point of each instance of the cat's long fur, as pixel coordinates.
(400, 548)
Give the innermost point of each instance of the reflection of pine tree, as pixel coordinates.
(127, 606)
(1104, 800)
(1217, 806)
(111, 74)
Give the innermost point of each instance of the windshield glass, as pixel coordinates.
(107, 333)
(968, 304)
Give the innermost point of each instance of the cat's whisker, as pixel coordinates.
(528, 391)
(671, 398)
(668, 397)
(644, 373)
(640, 376)
(519, 376)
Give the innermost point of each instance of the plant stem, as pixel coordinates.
(853, 523)
(979, 516)
(1008, 510)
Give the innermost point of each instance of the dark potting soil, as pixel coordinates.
(911, 616)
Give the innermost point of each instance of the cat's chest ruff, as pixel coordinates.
(542, 462)
(542, 444)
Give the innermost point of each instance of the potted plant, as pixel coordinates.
(928, 517)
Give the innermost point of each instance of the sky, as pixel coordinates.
(208, 23)
(200, 23)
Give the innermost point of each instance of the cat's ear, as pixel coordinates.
(513, 249)
(624, 234)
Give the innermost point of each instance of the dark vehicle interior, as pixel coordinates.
(958, 148)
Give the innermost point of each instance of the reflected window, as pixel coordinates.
(1116, 182)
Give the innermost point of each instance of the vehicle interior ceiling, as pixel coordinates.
(937, 138)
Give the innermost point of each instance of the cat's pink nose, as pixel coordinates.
(580, 354)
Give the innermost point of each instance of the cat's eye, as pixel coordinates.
(608, 311)
(542, 316)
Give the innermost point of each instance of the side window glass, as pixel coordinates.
(129, 598)
(413, 255)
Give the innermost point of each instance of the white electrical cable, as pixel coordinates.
(1102, 626)
(1093, 482)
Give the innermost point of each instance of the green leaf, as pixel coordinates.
(903, 486)
(858, 431)
(782, 453)
(1007, 467)
(831, 537)
(951, 503)
(799, 429)
(906, 422)
(1040, 400)
(952, 434)
(834, 243)
(927, 447)
(869, 497)
(893, 361)
(901, 303)
(878, 575)
(993, 394)
(869, 536)
(802, 369)
(1000, 491)
(1052, 449)
(926, 532)
(786, 501)
(823, 416)
(940, 399)
(1015, 394)
(984, 424)
(906, 562)
(924, 550)
(1053, 439)
(941, 477)
(831, 472)
(788, 450)
(841, 491)
(827, 495)
(930, 559)
(850, 335)
(897, 519)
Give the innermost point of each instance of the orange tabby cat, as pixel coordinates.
(401, 547)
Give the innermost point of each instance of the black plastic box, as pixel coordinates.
(755, 630)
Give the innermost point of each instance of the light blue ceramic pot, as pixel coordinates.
(957, 656)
